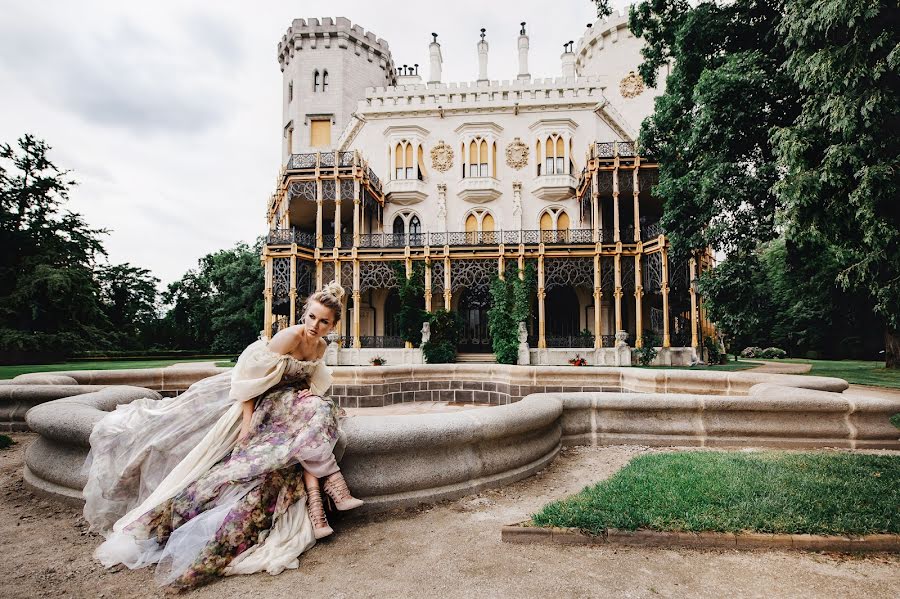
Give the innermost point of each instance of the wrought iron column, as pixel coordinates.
(693, 291)
(357, 298)
(542, 340)
(356, 215)
(267, 294)
(638, 303)
(615, 181)
(292, 286)
(337, 207)
(618, 292)
(598, 295)
(318, 213)
(664, 288)
(448, 293)
(637, 203)
(428, 284)
(595, 206)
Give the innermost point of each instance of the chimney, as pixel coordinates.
(523, 55)
(434, 52)
(482, 58)
(568, 60)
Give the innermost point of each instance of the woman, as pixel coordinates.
(224, 479)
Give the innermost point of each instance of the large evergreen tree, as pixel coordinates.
(49, 298)
(841, 155)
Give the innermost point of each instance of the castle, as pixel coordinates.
(473, 180)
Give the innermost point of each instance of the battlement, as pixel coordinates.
(603, 32)
(311, 33)
(472, 94)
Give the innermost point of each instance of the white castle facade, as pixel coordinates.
(384, 167)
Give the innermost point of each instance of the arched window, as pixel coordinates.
(316, 80)
(404, 161)
(324, 80)
(554, 224)
(473, 159)
(415, 226)
(480, 226)
(399, 225)
(291, 91)
(555, 156)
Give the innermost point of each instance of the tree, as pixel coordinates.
(710, 129)
(130, 301)
(840, 157)
(219, 306)
(411, 292)
(49, 299)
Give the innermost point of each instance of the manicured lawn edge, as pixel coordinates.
(876, 543)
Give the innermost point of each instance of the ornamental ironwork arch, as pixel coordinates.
(571, 272)
(376, 275)
(281, 280)
(437, 276)
(347, 277)
(608, 274)
(305, 190)
(651, 271)
(627, 266)
(472, 274)
(327, 272)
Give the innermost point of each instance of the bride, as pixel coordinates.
(224, 478)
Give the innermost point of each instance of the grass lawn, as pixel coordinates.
(8, 372)
(858, 372)
(793, 493)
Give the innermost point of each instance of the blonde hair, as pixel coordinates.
(329, 296)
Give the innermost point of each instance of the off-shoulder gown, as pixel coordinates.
(168, 482)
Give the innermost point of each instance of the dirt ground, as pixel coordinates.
(451, 549)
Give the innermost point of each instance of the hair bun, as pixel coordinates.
(334, 289)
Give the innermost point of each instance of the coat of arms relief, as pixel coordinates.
(517, 154)
(442, 157)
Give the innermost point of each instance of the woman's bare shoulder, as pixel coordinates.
(285, 340)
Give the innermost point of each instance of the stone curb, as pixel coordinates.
(516, 533)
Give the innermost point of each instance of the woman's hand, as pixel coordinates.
(303, 393)
(245, 431)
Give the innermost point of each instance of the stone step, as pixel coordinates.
(484, 358)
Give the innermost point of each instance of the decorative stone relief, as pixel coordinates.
(442, 157)
(631, 86)
(517, 154)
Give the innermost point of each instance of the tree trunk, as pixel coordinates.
(891, 348)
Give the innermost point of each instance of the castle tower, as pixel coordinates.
(326, 67)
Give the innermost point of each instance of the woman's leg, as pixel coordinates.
(314, 506)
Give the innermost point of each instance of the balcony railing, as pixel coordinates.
(372, 341)
(457, 238)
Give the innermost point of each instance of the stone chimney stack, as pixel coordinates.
(523, 55)
(434, 53)
(482, 58)
(568, 60)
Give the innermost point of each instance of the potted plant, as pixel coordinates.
(378, 361)
(578, 361)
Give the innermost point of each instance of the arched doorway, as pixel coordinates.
(562, 310)
(473, 309)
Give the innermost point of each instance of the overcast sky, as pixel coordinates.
(168, 112)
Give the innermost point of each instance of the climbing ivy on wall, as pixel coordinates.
(510, 305)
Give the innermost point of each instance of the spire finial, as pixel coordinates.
(522, 32)
(482, 33)
(435, 38)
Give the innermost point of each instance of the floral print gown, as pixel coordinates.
(195, 535)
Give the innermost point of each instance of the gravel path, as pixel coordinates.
(452, 549)
(780, 368)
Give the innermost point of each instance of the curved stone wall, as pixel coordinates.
(393, 461)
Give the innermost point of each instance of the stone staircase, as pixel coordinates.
(478, 358)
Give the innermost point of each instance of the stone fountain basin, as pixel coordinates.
(403, 460)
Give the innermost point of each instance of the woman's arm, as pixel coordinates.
(246, 418)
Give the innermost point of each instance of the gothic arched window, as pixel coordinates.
(324, 80)
(316, 80)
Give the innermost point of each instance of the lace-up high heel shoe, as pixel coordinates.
(336, 488)
(316, 512)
